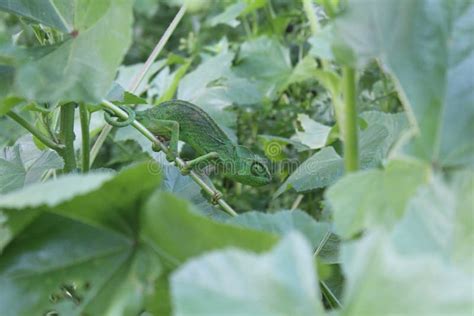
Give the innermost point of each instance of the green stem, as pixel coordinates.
(35, 132)
(349, 126)
(311, 15)
(66, 136)
(178, 161)
(84, 115)
(246, 25)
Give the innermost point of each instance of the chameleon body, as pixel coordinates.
(185, 121)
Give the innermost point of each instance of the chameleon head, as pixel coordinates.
(248, 168)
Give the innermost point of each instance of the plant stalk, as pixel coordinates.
(35, 132)
(67, 136)
(85, 151)
(311, 15)
(178, 161)
(349, 124)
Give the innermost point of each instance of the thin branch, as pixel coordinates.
(351, 148)
(179, 162)
(85, 151)
(297, 202)
(311, 15)
(330, 295)
(139, 77)
(157, 50)
(67, 136)
(35, 132)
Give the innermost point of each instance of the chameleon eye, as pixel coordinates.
(257, 168)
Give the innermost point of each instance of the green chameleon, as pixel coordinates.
(180, 120)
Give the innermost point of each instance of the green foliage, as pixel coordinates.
(135, 236)
(279, 282)
(72, 69)
(443, 62)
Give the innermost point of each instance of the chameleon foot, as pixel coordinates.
(185, 170)
(216, 197)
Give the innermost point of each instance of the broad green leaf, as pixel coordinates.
(284, 222)
(321, 44)
(375, 198)
(57, 14)
(53, 192)
(24, 164)
(83, 66)
(382, 281)
(326, 166)
(267, 63)
(235, 282)
(429, 48)
(196, 87)
(102, 271)
(88, 198)
(438, 221)
(230, 15)
(178, 232)
(314, 134)
(319, 171)
(62, 259)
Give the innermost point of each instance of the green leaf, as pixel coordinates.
(438, 222)
(283, 222)
(374, 198)
(326, 166)
(382, 281)
(266, 63)
(319, 171)
(62, 259)
(88, 198)
(56, 256)
(24, 164)
(57, 14)
(280, 282)
(196, 234)
(230, 15)
(431, 44)
(197, 88)
(83, 66)
(321, 44)
(314, 135)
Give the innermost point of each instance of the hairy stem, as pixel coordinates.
(66, 136)
(349, 126)
(139, 77)
(85, 151)
(179, 162)
(35, 132)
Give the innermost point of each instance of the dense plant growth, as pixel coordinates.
(363, 109)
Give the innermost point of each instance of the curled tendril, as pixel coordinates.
(118, 122)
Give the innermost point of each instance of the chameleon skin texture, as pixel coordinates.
(200, 131)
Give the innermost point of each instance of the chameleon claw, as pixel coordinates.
(216, 197)
(170, 157)
(185, 170)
